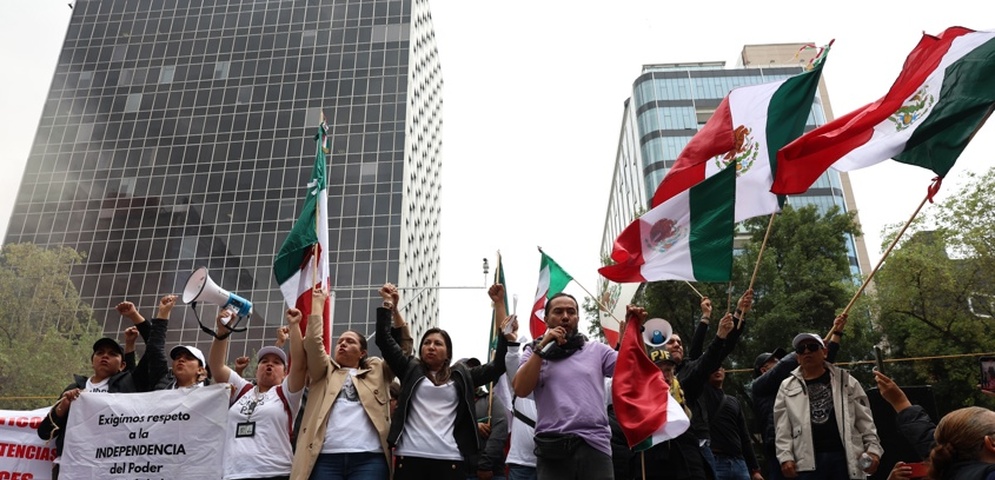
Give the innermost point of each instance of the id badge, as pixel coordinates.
(245, 429)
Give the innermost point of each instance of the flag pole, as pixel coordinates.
(694, 289)
(760, 256)
(589, 294)
(763, 246)
(598, 302)
(930, 192)
(642, 461)
(494, 333)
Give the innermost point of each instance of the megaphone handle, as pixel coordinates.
(208, 330)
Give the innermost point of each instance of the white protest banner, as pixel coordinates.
(166, 434)
(23, 455)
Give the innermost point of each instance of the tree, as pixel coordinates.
(46, 331)
(935, 294)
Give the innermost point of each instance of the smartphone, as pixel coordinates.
(987, 373)
(878, 359)
(919, 470)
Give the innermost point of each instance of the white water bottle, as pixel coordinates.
(865, 461)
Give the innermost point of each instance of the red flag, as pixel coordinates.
(641, 397)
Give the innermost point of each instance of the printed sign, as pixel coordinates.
(166, 434)
(23, 455)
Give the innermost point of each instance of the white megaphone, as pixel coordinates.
(200, 288)
(656, 332)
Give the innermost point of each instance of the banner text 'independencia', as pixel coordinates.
(141, 450)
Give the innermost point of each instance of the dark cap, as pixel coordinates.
(469, 362)
(108, 342)
(765, 357)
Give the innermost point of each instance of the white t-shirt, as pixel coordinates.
(267, 453)
(428, 428)
(99, 387)
(349, 428)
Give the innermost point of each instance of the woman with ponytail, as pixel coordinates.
(346, 420)
(434, 428)
(965, 446)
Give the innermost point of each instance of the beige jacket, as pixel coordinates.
(372, 384)
(793, 425)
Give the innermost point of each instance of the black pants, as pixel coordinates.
(417, 468)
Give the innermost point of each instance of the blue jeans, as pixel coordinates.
(521, 472)
(731, 468)
(350, 466)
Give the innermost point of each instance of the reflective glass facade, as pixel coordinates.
(179, 133)
(669, 104)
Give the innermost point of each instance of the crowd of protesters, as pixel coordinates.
(538, 409)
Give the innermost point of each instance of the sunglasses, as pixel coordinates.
(810, 347)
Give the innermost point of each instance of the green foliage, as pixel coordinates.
(46, 331)
(930, 284)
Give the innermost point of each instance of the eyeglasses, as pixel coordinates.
(809, 347)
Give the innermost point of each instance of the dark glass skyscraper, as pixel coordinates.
(179, 133)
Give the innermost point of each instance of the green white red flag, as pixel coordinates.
(688, 237)
(747, 128)
(302, 261)
(941, 98)
(552, 280)
(646, 411)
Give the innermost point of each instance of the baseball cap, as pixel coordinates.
(189, 349)
(765, 357)
(272, 350)
(108, 342)
(801, 337)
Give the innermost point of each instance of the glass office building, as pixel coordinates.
(671, 102)
(179, 134)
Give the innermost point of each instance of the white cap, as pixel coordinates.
(189, 349)
(801, 337)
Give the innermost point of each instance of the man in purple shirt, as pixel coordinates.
(567, 374)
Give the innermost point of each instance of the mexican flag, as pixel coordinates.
(747, 128)
(615, 297)
(495, 321)
(638, 390)
(688, 237)
(941, 98)
(302, 261)
(552, 280)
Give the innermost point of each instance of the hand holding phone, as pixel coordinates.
(878, 359)
(987, 373)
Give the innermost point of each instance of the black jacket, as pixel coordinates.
(410, 372)
(141, 378)
(917, 428)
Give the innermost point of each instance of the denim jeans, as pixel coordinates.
(731, 468)
(350, 466)
(521, 472)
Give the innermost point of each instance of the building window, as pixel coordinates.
(134, 103)
(221, 70)
(166, 74)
